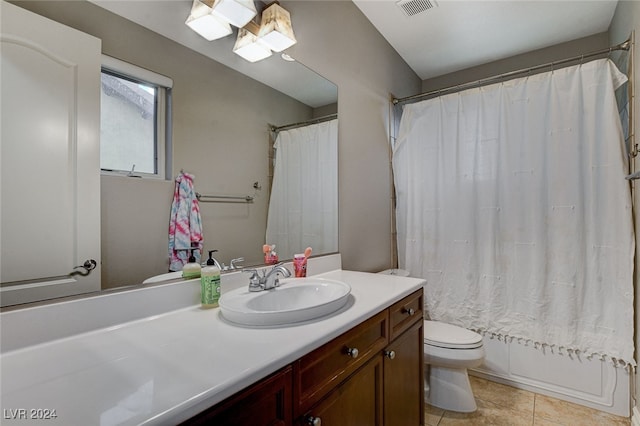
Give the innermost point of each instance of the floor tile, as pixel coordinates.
(432, 415)
(488, 413)
(502, 395)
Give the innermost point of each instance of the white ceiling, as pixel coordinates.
(455, 34)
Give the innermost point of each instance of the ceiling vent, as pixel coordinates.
(413, 7)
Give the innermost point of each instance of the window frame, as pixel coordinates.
(162, 130)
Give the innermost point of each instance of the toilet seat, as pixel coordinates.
(450, 336)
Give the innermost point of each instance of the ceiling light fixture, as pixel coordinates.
(206, 24)
(248, 46)
(236, 12)
(276, 30)
(212, 18)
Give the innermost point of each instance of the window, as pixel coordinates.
(134, 120)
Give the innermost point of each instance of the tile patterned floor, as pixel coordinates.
(500, 405)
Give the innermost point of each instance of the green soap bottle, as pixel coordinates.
(210, 283)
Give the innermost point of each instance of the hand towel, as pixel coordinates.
(185, 225)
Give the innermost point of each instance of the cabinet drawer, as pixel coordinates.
(404, 313)
(327, 366)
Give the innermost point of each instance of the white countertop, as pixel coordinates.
(167, 368)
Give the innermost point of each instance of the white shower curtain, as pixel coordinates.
(512, 203)
(303, 209)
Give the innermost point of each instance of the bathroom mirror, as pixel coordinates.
(221, 135)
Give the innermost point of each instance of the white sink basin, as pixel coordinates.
(295, 300)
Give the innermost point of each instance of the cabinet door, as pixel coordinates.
(356, 402)
(50, 158)
(403, 379)
(267, 403)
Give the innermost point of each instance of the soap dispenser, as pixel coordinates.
(210, 283)
(191, 269)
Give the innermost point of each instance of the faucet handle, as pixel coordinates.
(253, 272)
(254, 280)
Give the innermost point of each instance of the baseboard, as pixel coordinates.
(635, 416)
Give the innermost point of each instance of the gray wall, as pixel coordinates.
(625, 20)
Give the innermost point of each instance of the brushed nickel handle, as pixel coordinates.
(352, 352)
(313, 421)
(390, 354)
(410, 311)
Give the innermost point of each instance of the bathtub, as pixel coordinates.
(592, 383)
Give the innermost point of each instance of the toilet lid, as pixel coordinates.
(450, 336)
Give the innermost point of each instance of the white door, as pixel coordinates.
(50, 158)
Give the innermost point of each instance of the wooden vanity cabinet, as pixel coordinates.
(266, 403)
(370, 375)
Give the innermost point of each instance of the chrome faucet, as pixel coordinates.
(268, 280)
(232, 264)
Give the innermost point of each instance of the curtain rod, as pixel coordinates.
(622, 46)
(303, 123)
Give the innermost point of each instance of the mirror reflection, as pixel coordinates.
(303, 209)
(220, 131)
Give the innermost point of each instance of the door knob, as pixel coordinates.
(390, 354)
(88, 266)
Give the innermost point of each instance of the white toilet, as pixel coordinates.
(448, 351)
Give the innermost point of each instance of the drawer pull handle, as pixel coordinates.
(313, 421)
(352, 352)
(410, 311)
(390, 354)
